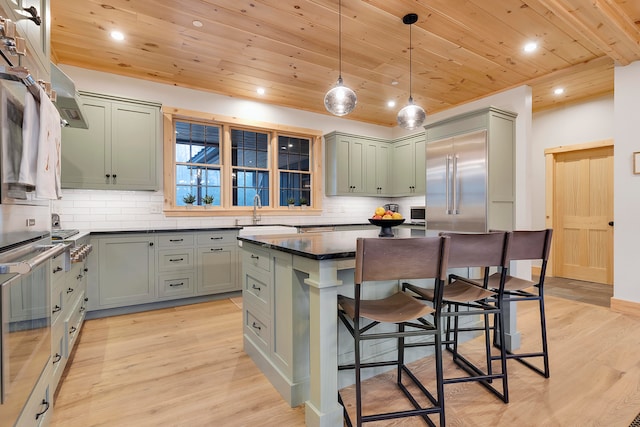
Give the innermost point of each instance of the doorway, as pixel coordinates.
(579, 196)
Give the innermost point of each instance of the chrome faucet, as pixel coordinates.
(256, 204)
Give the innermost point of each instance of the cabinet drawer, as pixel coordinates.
(175, 240)
(176, 285)
(217, 238)
(256, 257)
(171, 259)
(256, 330)
(39, 407)
(59, 266)
(73, 285)
(59, 354)
(73, 323)
(257, 290)
(58, 301)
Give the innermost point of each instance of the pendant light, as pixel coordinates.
(412, 116)
(340, 100)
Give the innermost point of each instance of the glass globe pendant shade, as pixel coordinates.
(411, 117)
(340, 100)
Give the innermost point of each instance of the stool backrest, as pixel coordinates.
(395, 259)
(478, 250)
(530, 245)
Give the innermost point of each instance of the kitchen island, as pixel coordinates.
(290, 286)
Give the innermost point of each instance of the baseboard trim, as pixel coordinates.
(625, 307)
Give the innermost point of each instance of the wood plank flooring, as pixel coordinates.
(185, 366)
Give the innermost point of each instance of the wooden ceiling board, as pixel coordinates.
(462, 49)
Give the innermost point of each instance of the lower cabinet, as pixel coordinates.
(126, 271)
(273, 304)
(153, 267)
(38, 410)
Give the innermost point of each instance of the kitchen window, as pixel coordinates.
(233, 160)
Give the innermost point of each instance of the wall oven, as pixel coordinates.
(25, 333)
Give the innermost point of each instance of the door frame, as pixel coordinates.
(550, 167)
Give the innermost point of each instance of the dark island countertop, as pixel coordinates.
(329, 245)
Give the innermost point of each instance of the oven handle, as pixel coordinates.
(24, 267)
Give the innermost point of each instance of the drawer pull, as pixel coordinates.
(81, 310)
(216, 249)
(176, 259)
(79, 277)
(58, 269)
(69, 290)
(257, 288)
(176, 240)
(254, 325)
(255, 257)
(46, 408)
(176, 284)
(217, 238)
(57, 358)
(56, 309)
(72, 330)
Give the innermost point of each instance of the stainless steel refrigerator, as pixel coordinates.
(456, 190)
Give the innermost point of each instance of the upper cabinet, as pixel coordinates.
(356, 165)
(363, 166)
(33, 23)
(120, 149)
(409, 177)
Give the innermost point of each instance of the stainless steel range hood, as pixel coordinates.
(68, 101)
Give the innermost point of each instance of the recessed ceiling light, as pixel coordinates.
(559, 91)
(260, 91)
(197, 23)
(391, 104)
(117, 35)
(530, 47)
(394, 82)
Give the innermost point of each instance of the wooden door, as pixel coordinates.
(583, 211)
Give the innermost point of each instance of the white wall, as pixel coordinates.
(589, 121)
(626, 203)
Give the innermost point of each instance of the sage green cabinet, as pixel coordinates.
(126, 271)
(120, 149)
(154, 268)
(409, 157)
(378, 168)
(356, 165)
(217, 262)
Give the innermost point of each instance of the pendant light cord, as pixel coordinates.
(340, 39)
(410, 62)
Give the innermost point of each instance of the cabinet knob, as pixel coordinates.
(107, 176)
(114, 176)
(150, 243)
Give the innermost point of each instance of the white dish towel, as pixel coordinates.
(48, 184)
(30, 141)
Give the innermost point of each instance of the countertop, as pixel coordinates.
(326, 245)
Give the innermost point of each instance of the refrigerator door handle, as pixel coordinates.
(456, 183)
(447, 180)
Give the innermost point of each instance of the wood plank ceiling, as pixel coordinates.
(462, 49)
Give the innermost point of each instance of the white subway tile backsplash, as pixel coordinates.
(126, 210)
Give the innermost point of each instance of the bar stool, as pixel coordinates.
(528, 245)
(468, 297)
(392, 260)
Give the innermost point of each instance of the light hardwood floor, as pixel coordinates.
(185, 367)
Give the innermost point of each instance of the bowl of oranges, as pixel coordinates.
(386, 219)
